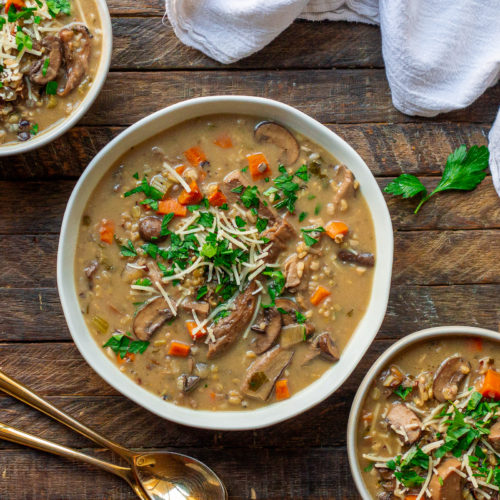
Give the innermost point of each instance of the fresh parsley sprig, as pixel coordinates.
(464, 171)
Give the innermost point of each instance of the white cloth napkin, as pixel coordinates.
(439, 55)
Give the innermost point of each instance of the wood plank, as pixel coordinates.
(421, 258)
(40, 207)
(33, 315)
(273, 474)
(145, 43)
(388, 149)
(145, 8)
(332, 96)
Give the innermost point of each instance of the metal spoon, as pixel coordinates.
(156, 475)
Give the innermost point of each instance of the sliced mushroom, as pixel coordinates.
(272, 329)
(494, 436)
(446, 484)
(448, 378)
(150, 228)
(280, 136)
(264, 371)
(361, 259)
(91, 269)
(151, 317)
(405, 422)
(188, 382)
(76, 55)
(54, 58)
(289, 316)
(323, 345)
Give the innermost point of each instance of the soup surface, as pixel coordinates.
(225, 263)
(50, 51)
(430, 425)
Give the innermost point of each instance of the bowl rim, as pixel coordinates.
(365, 331)
(401, 345)
(55, 131)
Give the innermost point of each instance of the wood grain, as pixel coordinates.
(34, 315)
(331, 96)
(140, 43)
(146, 8)
(388, 149)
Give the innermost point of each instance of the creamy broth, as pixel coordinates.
(49, 58)
(292, 343)
(410, 410)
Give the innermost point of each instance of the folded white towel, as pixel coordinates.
(439, 55)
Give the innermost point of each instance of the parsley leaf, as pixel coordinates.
(164, 231)
(403, 392)
(261, 224)
(239, 221)
(250, 197)
(464, 171)
(128, 250)
(309, 240)
(202, 291)
(122, 344)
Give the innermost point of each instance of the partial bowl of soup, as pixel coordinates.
(225, 262)
(425, 422)
(54, 58)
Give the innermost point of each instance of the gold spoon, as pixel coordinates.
(155, 475)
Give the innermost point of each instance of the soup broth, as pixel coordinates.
(225, 263)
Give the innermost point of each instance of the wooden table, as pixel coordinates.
(446, 268)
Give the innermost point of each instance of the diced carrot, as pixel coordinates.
(224, 141)
(191, 325)
(195, 156)
(217, 198)
(491, 385)
(258, 165)
(411, 497)
(129, 357)
(178, 349)
(476, 344)
(282, 391)
(107, 231)
(319, 294)
(180, 169)
(171, 205)
(212, 395)
(336, 227)
(195, 196)
(18, 4)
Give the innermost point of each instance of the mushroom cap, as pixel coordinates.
(280, 136)
(271, 332)
(405, 422)
(448, 377)
(150, 317)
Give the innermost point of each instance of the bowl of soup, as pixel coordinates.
(425, 422)
(54, 59)
(225, 262)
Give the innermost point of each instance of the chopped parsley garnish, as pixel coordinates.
(164, 224)
(302, 173)
(51, 88)
(250, 197)
(276, 284)
(302, 216)
(144, 187)
(59, 7)
(309, 240)
(206, 219)
(300, 317)
(122, 344)
(261, 224)
(317, 209)
(34, 129)
(128, 250)
(45, 66)
(202, 291)
(239, 222)
(143, 282)
(403, 392)
(238, 189)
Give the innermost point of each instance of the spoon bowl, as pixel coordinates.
(172, 476)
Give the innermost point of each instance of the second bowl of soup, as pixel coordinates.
(224, 264)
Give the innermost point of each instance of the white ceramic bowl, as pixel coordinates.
(362, 337)
(439, 332)
(55, 131)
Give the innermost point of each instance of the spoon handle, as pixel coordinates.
(20, 437)
(17, 390)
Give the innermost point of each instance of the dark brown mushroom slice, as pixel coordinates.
(405, 423)
(275, 133)
(446, 484)
(199, 307)
(150, 228)
(448, 377)
(189, 382)
(323, 345)
(494, 435)
(76, 55)
(228, 329)
(151, 317)
(262, 374)
(361, 259)
(41, 73)
(289, 310)
(273, 327)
